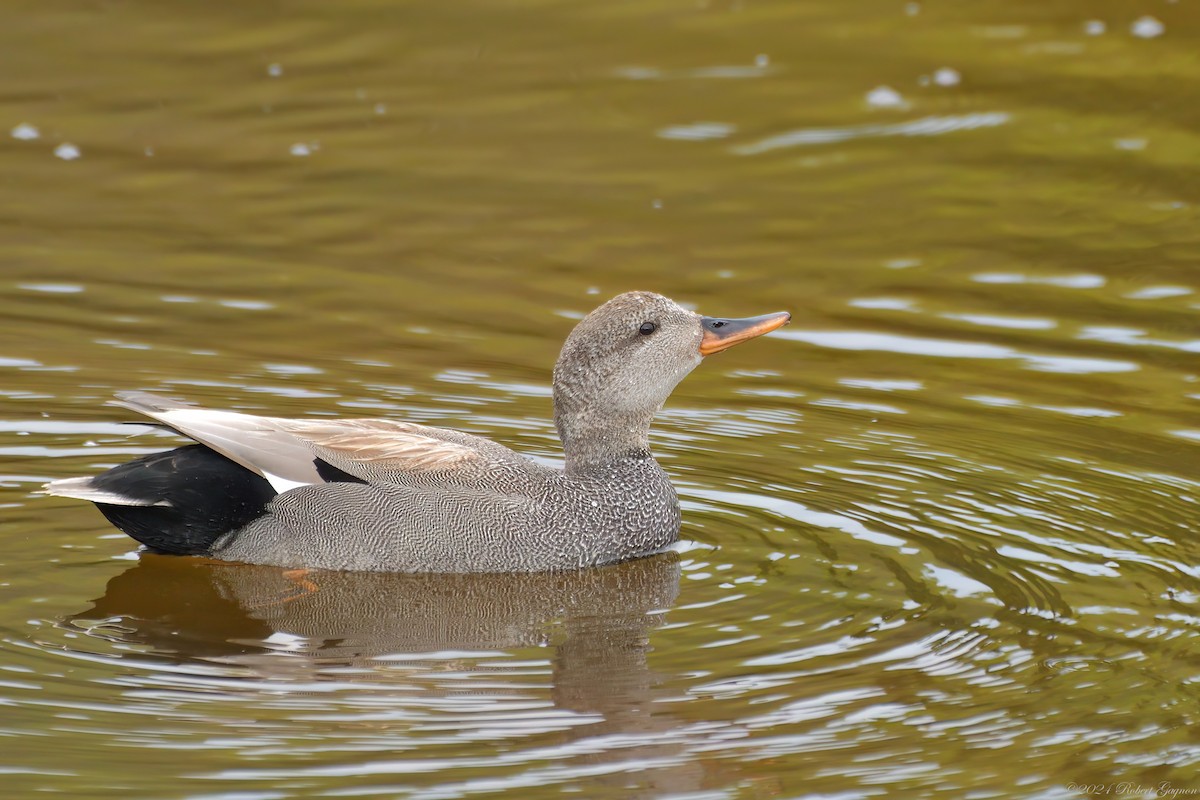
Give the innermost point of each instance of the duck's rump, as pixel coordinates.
(179, 501)
(195, 501)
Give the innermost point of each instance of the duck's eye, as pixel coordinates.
(647, 328)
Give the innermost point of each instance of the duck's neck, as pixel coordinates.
(594, 441)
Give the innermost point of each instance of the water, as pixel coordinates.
(939, 531)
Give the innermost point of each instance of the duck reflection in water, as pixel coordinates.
(404, 629)
(184, 609)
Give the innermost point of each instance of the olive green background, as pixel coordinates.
(940, 532)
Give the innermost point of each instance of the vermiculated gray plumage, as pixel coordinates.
(385, 495)
(500, 518)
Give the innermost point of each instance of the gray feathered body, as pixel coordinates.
(507, 514)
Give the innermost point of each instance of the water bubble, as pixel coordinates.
(762, 60)
(54, 288)
(25, 132)
(912, 9)
(1147, 28)
(1159, 292)
(1129, 144)
(149, 151)
(380, 109)
(67, 151)
(1094, 27)
(247, 305)
(639, 73)
(947, 77)
(292, 369)
(275, 70)
(656, 203)
(885, 97)
(697, 131)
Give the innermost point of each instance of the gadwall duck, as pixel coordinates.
(384, 495)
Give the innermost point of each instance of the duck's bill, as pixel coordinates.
(722, 334)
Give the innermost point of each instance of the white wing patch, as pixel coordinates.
(281, 485)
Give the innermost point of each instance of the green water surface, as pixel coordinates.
(940, 532)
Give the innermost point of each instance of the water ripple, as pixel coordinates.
(926, 126)
(950, 348)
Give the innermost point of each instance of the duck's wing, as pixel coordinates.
(289, 453)
(251, 441)
(381, 448)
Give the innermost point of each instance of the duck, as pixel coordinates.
(385, 495)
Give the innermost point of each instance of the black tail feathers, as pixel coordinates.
(192, 497)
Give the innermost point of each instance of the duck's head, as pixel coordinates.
(623, 360)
